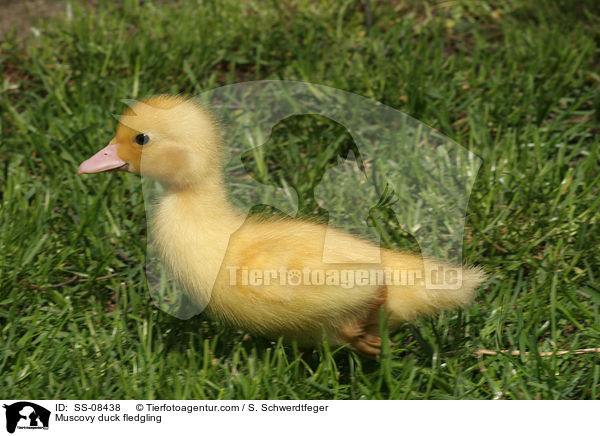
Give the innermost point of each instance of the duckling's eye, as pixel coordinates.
(142, 139)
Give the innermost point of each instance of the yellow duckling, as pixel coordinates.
(259, 275)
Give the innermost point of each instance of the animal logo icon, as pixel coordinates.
(25, 414)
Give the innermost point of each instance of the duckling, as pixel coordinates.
(266, 276)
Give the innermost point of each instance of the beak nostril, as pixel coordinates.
(104, 160)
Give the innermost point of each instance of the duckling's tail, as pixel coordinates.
(430, 288)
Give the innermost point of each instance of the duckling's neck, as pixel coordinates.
(191, 230)
(204, 204)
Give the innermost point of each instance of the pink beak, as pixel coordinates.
(106, 159)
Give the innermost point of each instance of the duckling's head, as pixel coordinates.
(169, 139)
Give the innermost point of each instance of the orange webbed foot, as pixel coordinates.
(363, 334)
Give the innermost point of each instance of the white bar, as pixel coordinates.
(283, 418)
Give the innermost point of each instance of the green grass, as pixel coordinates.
(516, 83)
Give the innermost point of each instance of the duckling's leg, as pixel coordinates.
(363, 334)
(306, 354)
